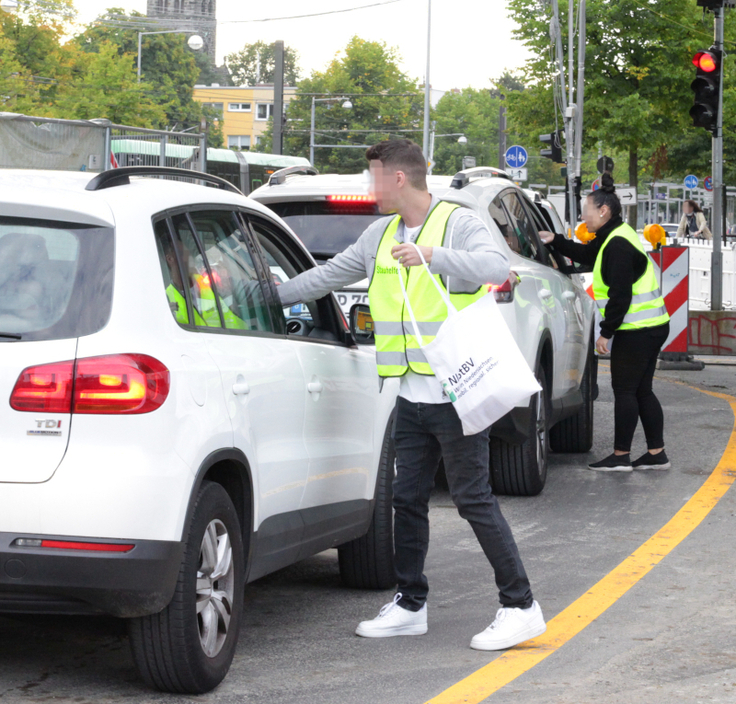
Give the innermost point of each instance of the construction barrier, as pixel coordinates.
(673, 265)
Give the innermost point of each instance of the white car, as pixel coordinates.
(543, 302)
(167, 434)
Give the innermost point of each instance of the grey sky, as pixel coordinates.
(471, 39)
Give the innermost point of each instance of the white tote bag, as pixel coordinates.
(476, 359)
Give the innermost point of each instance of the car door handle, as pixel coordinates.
(315, 387)
(569, 295)
(241, 388)
(545, 293)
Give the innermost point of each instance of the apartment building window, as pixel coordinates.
(264, 111)
(239, 107)
(238, 141)
(217, 106)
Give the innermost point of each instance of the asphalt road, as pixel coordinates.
(671, 638)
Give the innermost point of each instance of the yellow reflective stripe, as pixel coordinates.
(416, 355)
(637, 299)
(389, 329)
(644, 315)
(391, 359)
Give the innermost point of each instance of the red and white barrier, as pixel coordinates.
(674, 263)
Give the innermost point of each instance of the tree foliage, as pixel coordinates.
(255, 63)
(473, 113)
(638, 73)
(168, 68)
(44, 72)
(385, 103)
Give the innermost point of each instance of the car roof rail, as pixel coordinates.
(121, 177)
(278, 177)
(464, 177)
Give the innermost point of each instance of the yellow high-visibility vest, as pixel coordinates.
(647, 308)
(180, 312)
(397, 348)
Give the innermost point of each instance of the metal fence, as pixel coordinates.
(93, 145)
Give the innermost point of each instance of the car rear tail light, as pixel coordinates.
(117, 383)
(46, 388)
(72, 545)
(351, 199)
(120, 383)
(504, 293)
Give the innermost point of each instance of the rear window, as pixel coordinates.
(327, 228)
(55, 279)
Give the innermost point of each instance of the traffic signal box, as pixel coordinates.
(706, 89)
(555, 146)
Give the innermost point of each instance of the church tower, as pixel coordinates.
(198, 16)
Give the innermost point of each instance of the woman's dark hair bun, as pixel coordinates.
(607, 185)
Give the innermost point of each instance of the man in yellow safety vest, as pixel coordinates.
(458, 246)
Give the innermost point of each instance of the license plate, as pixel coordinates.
(347, 299)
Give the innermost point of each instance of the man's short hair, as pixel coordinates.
(402, 155)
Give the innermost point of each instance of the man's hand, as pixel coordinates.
(546, 236)
(407, 254)
(601, 345)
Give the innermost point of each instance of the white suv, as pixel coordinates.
(543, 302)
(168, 435)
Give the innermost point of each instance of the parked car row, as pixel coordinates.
(172, 432)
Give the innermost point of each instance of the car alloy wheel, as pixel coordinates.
(215, 587)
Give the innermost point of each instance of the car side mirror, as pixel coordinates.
(361, 324)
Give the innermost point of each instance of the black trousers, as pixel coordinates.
(633, 361)
(424, 433)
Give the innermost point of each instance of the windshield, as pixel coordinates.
(327, 228)
(55, 279)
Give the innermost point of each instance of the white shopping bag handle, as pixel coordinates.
(444, 294)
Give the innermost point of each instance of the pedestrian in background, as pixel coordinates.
(427, 426)
(693, 223)
(635, 324)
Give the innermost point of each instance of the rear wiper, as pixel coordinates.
(11, 335)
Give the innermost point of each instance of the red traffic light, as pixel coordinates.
(706, 61)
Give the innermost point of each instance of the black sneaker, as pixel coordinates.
(613, 463)
(649, 461)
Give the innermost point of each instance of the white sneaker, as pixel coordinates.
(394, 620)
(511, 627)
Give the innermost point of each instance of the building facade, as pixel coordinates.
(197, 16)
(245, 111)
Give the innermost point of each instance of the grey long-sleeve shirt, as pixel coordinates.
(474, 259)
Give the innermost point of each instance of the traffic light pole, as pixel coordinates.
(716, 283)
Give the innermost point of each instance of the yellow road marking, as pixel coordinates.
(568, 623)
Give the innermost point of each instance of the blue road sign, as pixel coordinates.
(516, 157)
(708, 183)
(691, 181)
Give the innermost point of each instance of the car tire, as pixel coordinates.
(521, 469)
(188, 647)
(575, 434)
(368, 562)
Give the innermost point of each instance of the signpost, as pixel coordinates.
(518, 174)
(516, 157)
(627, 196)
(596, 185)
(691, 182)
(708, 183)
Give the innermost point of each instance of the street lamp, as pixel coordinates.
(195, 42)
(346, 104)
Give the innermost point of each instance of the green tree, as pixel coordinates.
(34, 38)
(385, 103)
(256, 63)
(168, 67)
(104, 87)
(473, 113)
(637, 76)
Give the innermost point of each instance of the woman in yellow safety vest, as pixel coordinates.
(635, 324)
